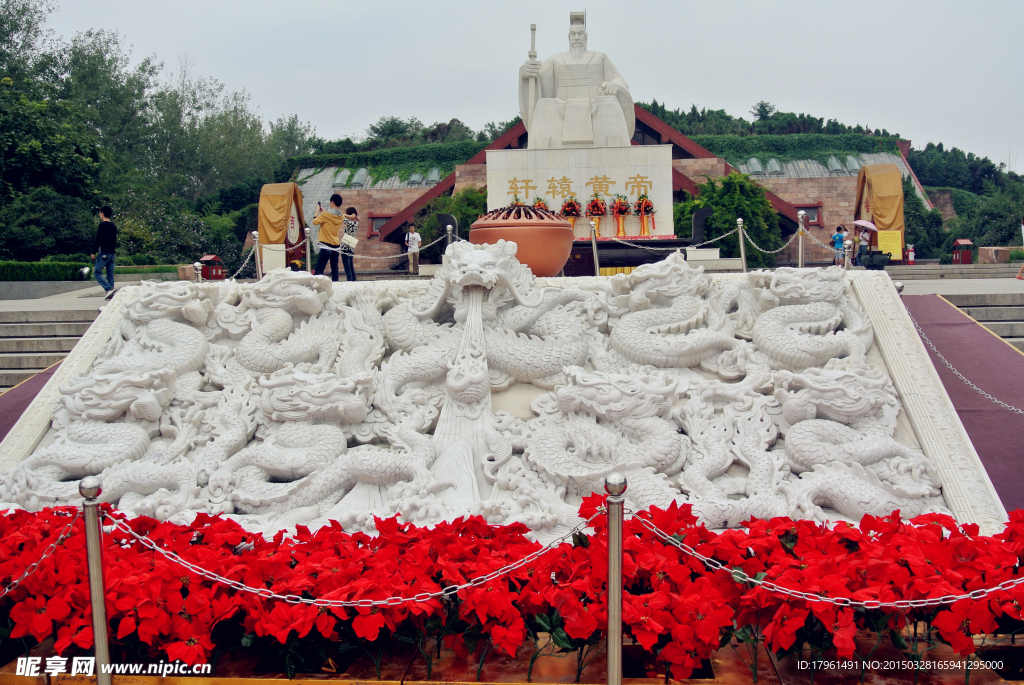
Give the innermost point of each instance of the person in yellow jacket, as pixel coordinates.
(330, 223)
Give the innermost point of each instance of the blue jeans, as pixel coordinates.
(105, 260)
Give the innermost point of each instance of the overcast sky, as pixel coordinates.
(943, 70)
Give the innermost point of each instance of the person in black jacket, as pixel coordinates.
(106, 244)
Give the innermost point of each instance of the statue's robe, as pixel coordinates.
(571, 111)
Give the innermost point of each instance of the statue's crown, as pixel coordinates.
(577, 18)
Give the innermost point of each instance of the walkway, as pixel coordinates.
(993, 365)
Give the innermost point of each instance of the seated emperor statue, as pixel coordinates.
(581, 99)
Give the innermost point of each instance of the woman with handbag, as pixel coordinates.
(349, 242)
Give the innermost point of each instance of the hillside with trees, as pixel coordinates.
(182, 158)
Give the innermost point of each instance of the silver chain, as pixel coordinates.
(247, 258)
(31, 568)
(266, 593)
(675, 249)
(761, 249)
(405, 254)
(827, 247)
(959, 375)
(741, 577)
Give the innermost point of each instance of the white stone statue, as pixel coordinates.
(581, 99)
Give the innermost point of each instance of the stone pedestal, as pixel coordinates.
(557, 174)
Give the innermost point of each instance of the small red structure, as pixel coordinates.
(962, 253)
(212, 268)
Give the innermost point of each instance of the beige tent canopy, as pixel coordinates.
(281, 225)
(880, 201)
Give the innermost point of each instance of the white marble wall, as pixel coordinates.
(507, 170)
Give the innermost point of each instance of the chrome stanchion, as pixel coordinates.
(199, 271)
(89, 488)
(743, 248)
(309, 251)
(899, 288)
(802, 218)
(593, 245)
(256, 246)
(848, 250)
(448, 228)
(615, 486)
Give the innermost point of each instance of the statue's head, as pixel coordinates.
(577, 33)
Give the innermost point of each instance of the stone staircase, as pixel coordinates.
(1001, 313)
(30, 341)
(920, 272)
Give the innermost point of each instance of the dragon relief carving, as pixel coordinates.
(485, 391)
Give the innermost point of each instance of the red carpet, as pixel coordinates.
(994, 366)
(16, 400)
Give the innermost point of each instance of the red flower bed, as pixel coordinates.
(674, 605)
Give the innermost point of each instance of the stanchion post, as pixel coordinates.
(899, 288)
(593, 245)
(743, 248)
(615, 486)
(89, 488)
(448, 229)
(256, 246)
(309, 251)
(848, 250)
(198, 268)
(802, 218)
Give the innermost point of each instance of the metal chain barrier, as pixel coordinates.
(741, 577)
(810, 235)
(31, 568)
(761, 249)
(247, 258)
(406, 254)
(675, 249)
(959, 375)
(266, 593)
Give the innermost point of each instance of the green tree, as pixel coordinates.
(762, 110)
(43, 143)
(733, 197)
(290, 137)
(923, 227)
(43, 222)
(25, 42)
(466, 206)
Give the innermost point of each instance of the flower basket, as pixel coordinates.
(620, 209)
(539, 203)
(596, 209)
(571, 210)
(644, 208)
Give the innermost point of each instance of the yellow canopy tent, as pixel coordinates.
(281, 225)
(880, 201)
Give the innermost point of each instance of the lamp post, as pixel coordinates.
(593, 245)
(802, 218)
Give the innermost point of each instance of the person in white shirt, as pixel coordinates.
(412, 243)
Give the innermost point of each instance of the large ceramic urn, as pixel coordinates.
(544, 237)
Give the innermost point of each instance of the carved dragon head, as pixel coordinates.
(494, 268)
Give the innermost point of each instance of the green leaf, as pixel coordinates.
(561, 639)
(543, 621)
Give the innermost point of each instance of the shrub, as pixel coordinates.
(41, 271)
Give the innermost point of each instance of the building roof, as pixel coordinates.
(318, 184)
(651, 131)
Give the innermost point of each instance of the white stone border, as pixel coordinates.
(967, 488)
(35, 421)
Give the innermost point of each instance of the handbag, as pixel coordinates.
(349, 241)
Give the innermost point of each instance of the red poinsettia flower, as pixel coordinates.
(36, 615)
(781, 632)
(193, 650)
(964, 619)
